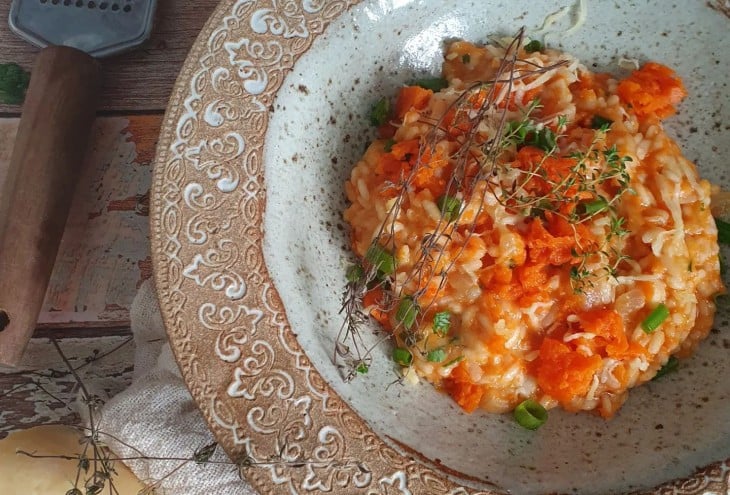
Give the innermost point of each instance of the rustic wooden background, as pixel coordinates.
(104, 255)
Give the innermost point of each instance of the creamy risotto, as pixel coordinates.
(529, 234)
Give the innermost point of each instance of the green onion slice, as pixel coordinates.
(380, 259)
(670, 366)
(441, 323)
(436, 355)
(435, 84)
(655, 318)
(533, 46)
(723, 231)
(388, 147)
(362, 368)
(407, 311)
(379, 112)
(402, 356)
(601, 123)
(450, 207)
(530, 414)
(354, 273)
(454, 361)
(466, 58)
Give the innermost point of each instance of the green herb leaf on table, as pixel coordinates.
(13, 83)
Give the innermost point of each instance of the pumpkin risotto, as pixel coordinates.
(529, 234)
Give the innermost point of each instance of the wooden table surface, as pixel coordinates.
(104, 255)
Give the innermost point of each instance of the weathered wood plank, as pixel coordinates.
(104, 254)
(42, 390)
(139, 80)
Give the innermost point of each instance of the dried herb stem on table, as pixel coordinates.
(96, 473)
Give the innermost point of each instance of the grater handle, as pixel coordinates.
(36, 195)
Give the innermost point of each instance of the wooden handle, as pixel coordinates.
(36, 195)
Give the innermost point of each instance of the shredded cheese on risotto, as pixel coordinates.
(528, 232)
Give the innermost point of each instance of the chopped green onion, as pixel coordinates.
(436, 355)
(450, 207)
(723, 231)
(601, 123)
(402, 356)
(596, 206)
(380, 112)
(466, 58)
(655, 318)
(380, 259)
(435, 84)
(454, 361)
(407, 311)
(441, 323)
(388, 147)
(354, 273)
(530, 414)
(533, 46)
(362, 368)
(670, 366)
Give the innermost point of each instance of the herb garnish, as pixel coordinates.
(13, 83)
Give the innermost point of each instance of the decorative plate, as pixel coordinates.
(264, 124)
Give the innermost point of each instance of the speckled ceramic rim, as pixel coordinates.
(257, 389)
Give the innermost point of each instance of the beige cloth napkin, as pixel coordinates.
(158, 417)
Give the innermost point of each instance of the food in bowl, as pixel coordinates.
(529, 235)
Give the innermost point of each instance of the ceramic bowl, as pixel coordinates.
(267, 118)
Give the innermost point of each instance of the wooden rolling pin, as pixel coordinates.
(36, 195)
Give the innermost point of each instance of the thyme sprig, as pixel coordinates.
(483, 165)
(96, 471)
(591, 188)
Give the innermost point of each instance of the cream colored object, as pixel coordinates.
(29, 476)
(158, 417)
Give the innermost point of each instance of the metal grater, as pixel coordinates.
(97, 27)
(53, 133)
